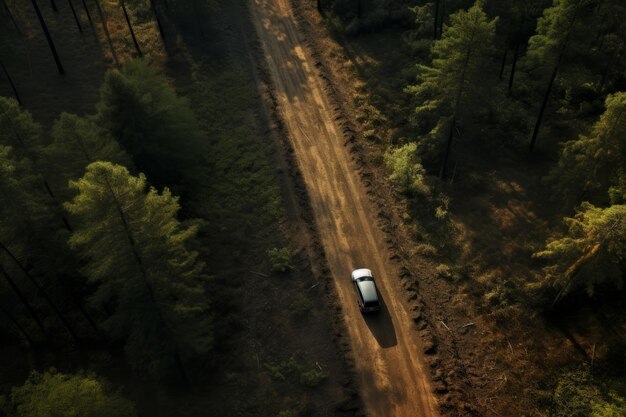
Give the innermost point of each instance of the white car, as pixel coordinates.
(366, 293)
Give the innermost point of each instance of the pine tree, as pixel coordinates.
(592, 254)
(152, 123)
(455, 84)
(136, 253)
(29, 235)
(53, 394)
(593, 163)
(77, 142)
(560, 27)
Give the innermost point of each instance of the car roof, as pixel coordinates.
(368, 290)
(360, 273)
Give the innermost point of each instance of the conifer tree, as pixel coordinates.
(455, 83)
(77, 142)
(557, 30)
(591, 254)
(152, 123)
(137, 255)
(53, 394)
(593, 163)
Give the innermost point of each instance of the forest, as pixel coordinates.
(507, 118)
(157, 251)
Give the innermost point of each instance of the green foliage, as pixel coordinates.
(293, 369)
(593, 163)
(239, 191)
(281, 259)
(312, 378)
(18, 129)
(590, 255)
(77, 142)
(152, 123)
(455, 84)
(136, 253)
(557, 29)
(53, 394)
(406, 168)
(579, 395)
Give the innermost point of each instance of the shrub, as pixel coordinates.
(281, 259)
(312, 378)
(406, 169)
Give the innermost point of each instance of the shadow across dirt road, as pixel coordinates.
(381, 326)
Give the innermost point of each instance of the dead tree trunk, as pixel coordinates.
(16, 324)
(503, 63)
(6, 7)
(513, 67)
(6, 73)
(542, 110)
(158, 20)
(78, 25)
(41, 290)
(46, 32)
(22, 298)
(130, 28)
(88, 15)
(105, 27)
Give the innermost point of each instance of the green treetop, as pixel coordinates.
(54, 394)
(136, 252)
(455, 86)
(591, 254)
(593, 163)
(151, 122)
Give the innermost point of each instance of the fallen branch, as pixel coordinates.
(467, 325)
(444, 325)
(261, 274)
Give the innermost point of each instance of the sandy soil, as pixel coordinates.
(390, 368)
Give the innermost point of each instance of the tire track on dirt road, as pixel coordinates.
(391, 371)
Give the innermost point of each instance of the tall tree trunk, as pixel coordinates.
(23, 299)
(80, 28)
(542, 110)
(16, 324)
(6, 73)
(441, 18)
(130, 28)
(503, 63)
(6, 7)
(320, 10)
(158, 20)
(446, 155)
(105, 27)
(457, 107)
(48, 38)
(81, 307)
(54, 5)
(359, 9)
(42, 291)
(144, 273)
(546, 97)
(87, 11)
(88, 15)
(513, 67)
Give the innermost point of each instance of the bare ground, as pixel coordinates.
(388, 351)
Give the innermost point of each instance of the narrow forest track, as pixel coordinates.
(391, 370)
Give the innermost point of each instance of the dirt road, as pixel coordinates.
(390, 368)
